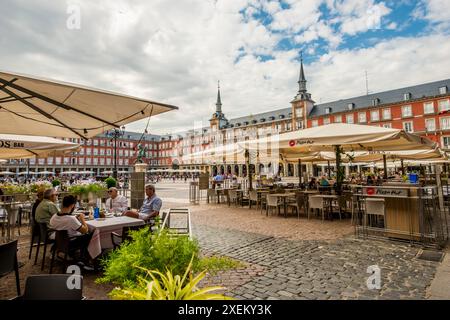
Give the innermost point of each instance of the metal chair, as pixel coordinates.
(233, 197)
(298, 203)
(253, 197)
(44, 235)
(272, 202)
(53, 287)
(315, 202)
(210, 193)
(8, 261)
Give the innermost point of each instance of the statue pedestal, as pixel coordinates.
(137, 183)
(140, 167)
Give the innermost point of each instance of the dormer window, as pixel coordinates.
(443, 90)
(375, 102)
(281, 116)
(407, 96)
(328, 110)
(350, 106)
(271, 118)
(254, 121)
(245, 123)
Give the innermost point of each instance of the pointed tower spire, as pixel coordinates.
(219, 102)
(301, 78)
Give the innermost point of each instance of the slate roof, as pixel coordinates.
(386, 97)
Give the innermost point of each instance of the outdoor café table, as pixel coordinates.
(283, 196)
(219, 191)
(103, 227)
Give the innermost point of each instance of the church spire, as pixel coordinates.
(302, 93)
(219, 102)
(301, 78)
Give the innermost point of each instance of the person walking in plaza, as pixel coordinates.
(116, 202)
(47, 208)
(150, 208)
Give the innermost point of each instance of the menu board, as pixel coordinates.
(203, 181)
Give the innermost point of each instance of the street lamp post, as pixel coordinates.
(114, 134)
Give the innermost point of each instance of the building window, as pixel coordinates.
(81, 161)
(326, 120)
(443, 90)
(350, 106)
(408, 126)
(406, 96)
(349, 118)
(406, 111)
(446, 142)
(102, 161)
(387, 114)
(445, 123)
(430, 125)
(88, 161)
(374, 115)
(299, 112)
(362, 117)
(338, 119)
(387, 125)
(444, 105)
(314, 123)
(428, 107)
(288, 126)
(328, 110)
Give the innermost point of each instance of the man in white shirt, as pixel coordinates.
(116, 202)
(76, 227)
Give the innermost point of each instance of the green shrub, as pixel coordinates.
(168, 286)
(110, 182)
(56, 182)
(147, 251)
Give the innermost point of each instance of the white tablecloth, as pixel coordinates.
(102, 228)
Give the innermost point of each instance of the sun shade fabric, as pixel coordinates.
(350, 137)
(21, 146)
(36, 106)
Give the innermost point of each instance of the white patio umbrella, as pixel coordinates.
(7, 173)
(36, 106)
(21, 146)
(45, 172)
(341, 137)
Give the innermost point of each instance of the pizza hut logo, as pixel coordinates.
(292, 143)
(370, 191)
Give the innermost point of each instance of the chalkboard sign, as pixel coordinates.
(203, 181)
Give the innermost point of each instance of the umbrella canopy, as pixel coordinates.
(7, 173)
(37, 106)
(17, 146)
(45, 172)
(350, 137)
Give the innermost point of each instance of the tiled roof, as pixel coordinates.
(386, 97)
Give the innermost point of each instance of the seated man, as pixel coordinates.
(150, 208)
(47, 208)
(116, 202)
(76, 226)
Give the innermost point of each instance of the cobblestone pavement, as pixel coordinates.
(314, 269)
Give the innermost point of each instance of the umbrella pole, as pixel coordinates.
(339, 173)
(249, 174)
(402, 167)
(299, 173)
(28, 170)
(329, 170)
(385, 176)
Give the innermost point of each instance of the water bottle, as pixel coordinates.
(96, 213)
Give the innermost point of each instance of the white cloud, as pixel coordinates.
(358, 16)
(436, 12)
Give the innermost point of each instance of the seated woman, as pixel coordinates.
(312, 183)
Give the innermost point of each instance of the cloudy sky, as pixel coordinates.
(175, 51)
